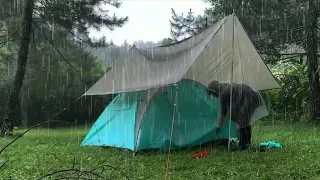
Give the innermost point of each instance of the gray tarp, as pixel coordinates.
(203, 58)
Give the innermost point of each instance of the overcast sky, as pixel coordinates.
(148, 19)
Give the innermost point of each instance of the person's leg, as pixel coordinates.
(249, 131)
(242, 138)
(245, 137)
(246, 129)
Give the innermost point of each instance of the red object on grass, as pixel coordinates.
(200, 155)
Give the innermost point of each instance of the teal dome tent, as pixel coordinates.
(162, 90)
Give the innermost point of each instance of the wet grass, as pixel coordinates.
(42, 151)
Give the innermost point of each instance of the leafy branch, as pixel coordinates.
(79, 16)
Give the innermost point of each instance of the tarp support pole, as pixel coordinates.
(172, 125)
(231, 81)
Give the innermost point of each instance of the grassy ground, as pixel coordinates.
(42, 151)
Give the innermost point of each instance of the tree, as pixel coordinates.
(166, 41)
(182, 27)
(7, 126)
(312, 49)
(145, 44)
(76, 17)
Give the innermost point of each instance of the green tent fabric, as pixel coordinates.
(143, 120)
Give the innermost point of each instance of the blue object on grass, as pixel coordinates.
(270, 145)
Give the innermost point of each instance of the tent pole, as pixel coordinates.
(172, 124)
(231, 80)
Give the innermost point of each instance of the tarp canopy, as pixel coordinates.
(204, 57)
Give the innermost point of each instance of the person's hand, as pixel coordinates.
(217, 130)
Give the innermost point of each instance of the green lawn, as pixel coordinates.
(42, 151)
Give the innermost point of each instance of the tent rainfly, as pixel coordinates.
(139, 117)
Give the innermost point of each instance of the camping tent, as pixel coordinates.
(162, 99)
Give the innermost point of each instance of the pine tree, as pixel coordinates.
(183, 27)
(166, 41)
(312, 60)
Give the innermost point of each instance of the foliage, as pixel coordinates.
(42, 151)
(290, 101)
(271, 25)
(181, 26)
(50, 83)
(110, 53)
(59, 64)
(167, 41)
(8, 55)
(145, 44)
(75, 16)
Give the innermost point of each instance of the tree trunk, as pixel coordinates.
(13, 98)
(313, 75)
(23, 108)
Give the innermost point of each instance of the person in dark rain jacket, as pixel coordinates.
(244, 102)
